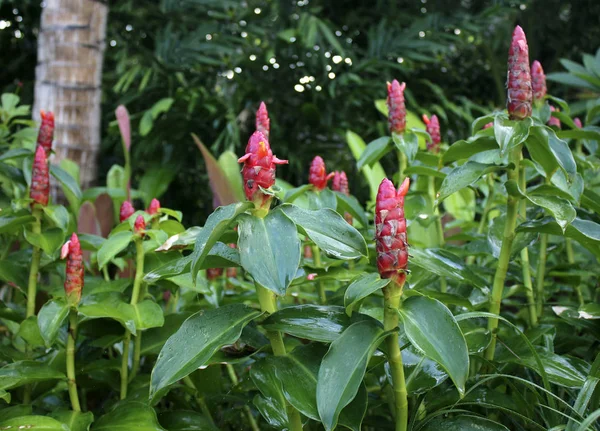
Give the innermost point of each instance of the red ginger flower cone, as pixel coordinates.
(433, 128)
(259, 169)
(139, 226)
(153, 207)
(263, 123)
(317, 174)
(538, 81)
(74, 273)
(40, 178)
(126, 211)
(340, 184)
(396, 107)
(520, 93)
(390, 231)
(46, 133)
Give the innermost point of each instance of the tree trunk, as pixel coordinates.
(68, 78)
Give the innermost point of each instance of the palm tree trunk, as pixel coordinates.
(68, 78)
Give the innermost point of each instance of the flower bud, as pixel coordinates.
(259, 169)
(340, 184)
(212, 273)
(40, 178)
(317, 174)
(520, 93)
(433, 128)
(308, 253)
(553, 121)
(577, 122)
(263, 123)
(126, 211)
(139, 227)
(538, 81)
(74, 273)
(396, 107)
(46, 133)
(390, 231)
(153, 207)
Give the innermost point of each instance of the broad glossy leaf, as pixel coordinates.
(41, 423)
(374, 174)
(25, 372)
(270, 250)
(407, 143)
(587, 392)
(185, 420)
(425, 171)
(329, 231)
(446, 264)
(421, 373)
(112, 246)
(108, 305)
(463, 423)
(155, 338)
(271, 405)
(69, 185)
(461, 150)
(495, 237)
(51, 317)
(343, 367)
(11, 223)
(200, 336)
(215, 226)
(59, 216)
(15, 411)
(360, 288)
(76, 421)
(510, 133)
(148, 314)
(432, 329)
(550, 152)
(50, 240)
(374, 152)
(129, 416)
(14, 272)
(321, 200)
(588, 132)
(30, 332)
(5, 396)
(463, 176)
(351, 205)
(562, 370)
(322, 323)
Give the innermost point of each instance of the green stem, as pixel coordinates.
(541, 273)
(392, 302)
(439, 228)
(318, 264)
(510, 224)
(268, 304)
(234, 381)
(486, 210)
(525, 257)
(71, 382)
(402, 162)
(105, 273)
(200, 400)
(35, 263)
(135, 296)
(571, 260)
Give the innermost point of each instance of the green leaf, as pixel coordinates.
(425, 171)
(270, 249)
(69, 185)
(510, 133)
(562, 370)
(432, 329)
(351, 205)
(155, 338)
(407, 143)
(495, 236)
(41, 423)
(422, 374)
(329, 231)
(322, 323)
(587, 392)
(321, 200)
(13, 272)
(155, 182)
(561, 209)
(343, 367)
(215, 226)
(228, 162)
(185, 420)
(113, 246)
(30, 332)
(109, 305)
(51, 317)
(446, 264)
(76, 421)
(129, 416)
(463, 423)
(271, 404)
(50, 240)
(147, 314)
(25, 372)
(374, 174)
(374, 152)
(5, 396)
(550, 152)
(200, 336)
(59, 215)
(11, 223)
(360, 288)
(463, 176)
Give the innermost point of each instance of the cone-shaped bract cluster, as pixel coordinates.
(74, 273)
(433, 128)
(396, 107)
(317, 173)
(126, 211)
(520, 93)
(46, 133)
(40, 178)
(259, 168)
(390, 231)
(538, 81)
(154, 207)
(340, 184)
(139, 227)
(263, 123)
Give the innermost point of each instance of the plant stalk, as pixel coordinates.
(541, 272)
(135, 296)
(200, 400)
(392, 302)
(512, 209)
(235, 381)
(571, 260)
(486, 210)
(71, 382)
(318, 264)
(525, 258)
(35, 263)
(439, 228)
